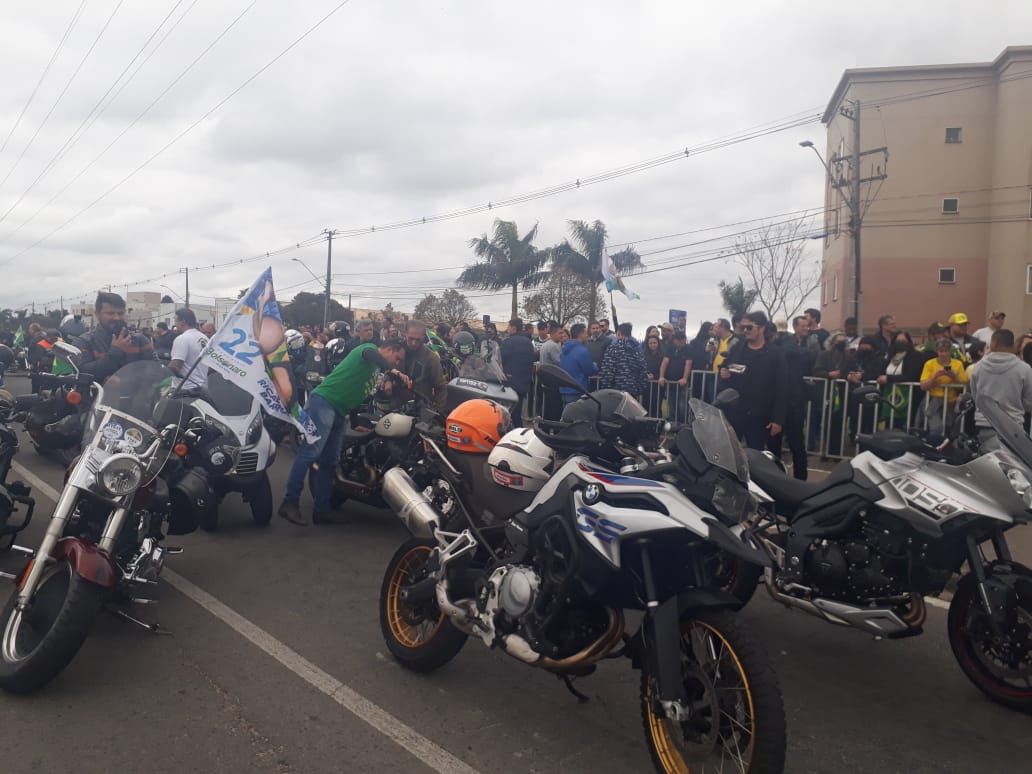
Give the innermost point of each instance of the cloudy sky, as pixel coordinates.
(391, 111)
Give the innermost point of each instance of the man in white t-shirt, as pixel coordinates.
(187, 348)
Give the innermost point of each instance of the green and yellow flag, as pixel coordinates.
(19, 337)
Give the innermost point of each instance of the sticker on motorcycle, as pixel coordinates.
(134, 437)
(604, 529)
(472, 384)
(112, 431)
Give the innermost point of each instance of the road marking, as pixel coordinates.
(406, 737)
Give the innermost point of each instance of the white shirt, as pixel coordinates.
(984, 334)
(188, 347)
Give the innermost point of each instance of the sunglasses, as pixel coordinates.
(746, 328)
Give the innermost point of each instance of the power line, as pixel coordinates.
(183, 133)
(43, 75)
(98, 109)
(60, 96)
(121, 134)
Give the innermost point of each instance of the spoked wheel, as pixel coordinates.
(737, 716)
(39, 642)
(998, 662)
(418, 634)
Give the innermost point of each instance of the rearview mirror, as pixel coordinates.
(965, 403)
(726, 398)
(868, 394)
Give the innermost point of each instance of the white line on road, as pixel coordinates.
(430, 753)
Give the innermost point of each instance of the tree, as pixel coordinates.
(565, 298)
(450, 307)
(167, 299)
(584, 257)
(735, 298)
(509, 261)
(307, 309)
(776, 260)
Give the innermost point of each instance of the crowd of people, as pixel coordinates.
(785, 380)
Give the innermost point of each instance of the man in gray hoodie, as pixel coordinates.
(1004, 376)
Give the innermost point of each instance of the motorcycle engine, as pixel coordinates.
(871, 563)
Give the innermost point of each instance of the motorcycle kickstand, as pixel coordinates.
(568, 682)
(153, 628)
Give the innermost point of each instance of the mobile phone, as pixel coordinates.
(947, 368)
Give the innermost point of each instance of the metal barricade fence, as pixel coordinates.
(832, 417)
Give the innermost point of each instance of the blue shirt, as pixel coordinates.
(576, 360)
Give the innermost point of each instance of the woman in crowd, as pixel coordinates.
(904, 364)
(941, 379)
(653, 360)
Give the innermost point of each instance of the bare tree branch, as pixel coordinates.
(779, 266)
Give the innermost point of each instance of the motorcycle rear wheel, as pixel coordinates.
(982, 657)
(419, 636)
(38, 643)
(728, 678)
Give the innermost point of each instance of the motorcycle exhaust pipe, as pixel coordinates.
(410, 505)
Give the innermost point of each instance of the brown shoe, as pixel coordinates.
(292, 513)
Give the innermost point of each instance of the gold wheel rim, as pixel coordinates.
(408, 633)
(667, 751)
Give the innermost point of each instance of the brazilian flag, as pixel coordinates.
(19, 337)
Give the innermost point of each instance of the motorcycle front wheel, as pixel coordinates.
(737, 715)
(998, 663)
(418, 634)
(38, 643)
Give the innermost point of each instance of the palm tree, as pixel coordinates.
(585, 259)
(735, 297)
(509, 261)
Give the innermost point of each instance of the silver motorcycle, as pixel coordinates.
(104, 541)
(895, 524)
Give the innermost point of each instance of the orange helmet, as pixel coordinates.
(476, 426)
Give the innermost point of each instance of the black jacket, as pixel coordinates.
(913, 364)
(100, 359)
(763, 383)
(518, 358)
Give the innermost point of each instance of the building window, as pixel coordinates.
(1030, 205)
(951, 206)
(947, 276)
(834, 287)
(953, 134)
(824, 293)
(1028, 279)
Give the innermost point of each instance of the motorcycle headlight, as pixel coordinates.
(732, 501)
(1020, 482)
(120, 475)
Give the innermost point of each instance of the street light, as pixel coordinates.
(314, 275)
(170, 290)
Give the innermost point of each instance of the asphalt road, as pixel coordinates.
(210, 699)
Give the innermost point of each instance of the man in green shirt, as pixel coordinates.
(350, 383)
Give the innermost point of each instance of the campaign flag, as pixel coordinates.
(19, 337)
(613, 279)
(250, 349)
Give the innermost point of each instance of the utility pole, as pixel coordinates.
(329, 269)
(855, 179)
(186, 297)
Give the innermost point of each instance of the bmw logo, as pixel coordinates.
(591, 494)
(386, 423)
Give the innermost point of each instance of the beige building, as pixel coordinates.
(950, 228)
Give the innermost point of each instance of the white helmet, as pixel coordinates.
(521, 461)
(295, 341)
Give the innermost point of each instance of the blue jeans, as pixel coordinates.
(325, 451)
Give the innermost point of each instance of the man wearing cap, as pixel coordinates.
(666, 331)
(962, 341)
(996, 320)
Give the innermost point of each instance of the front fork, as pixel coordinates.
(55, 531)
(662, 628)
(992, 596)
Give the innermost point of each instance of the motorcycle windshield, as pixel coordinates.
(1011, 433)
(130, 410)
(481, 369)
(717, 440)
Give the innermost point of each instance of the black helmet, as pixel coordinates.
(6, 356)
(339, 330)
(465, 343)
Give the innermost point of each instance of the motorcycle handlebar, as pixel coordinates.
(71, 380)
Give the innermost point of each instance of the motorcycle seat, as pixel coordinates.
(889, 444)
(789, 491)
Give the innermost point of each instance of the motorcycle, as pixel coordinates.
(104, 540)
(374, 441)
(235, 413)
(478, 377)
(54, 417)
(895, 524)
(568, 546)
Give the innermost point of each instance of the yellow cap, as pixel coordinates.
(957, 319)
